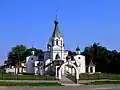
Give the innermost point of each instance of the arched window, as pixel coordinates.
(91, 70)
(57, 56)
(61, 42)
(57, 42)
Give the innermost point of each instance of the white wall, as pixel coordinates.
(61, 54)
(30, 64)
(47, 62)
(11, 70)
(57, 48)
(81, 63)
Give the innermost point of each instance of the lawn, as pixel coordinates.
(101, 82)
(96, 76)
(9, 76)
(30, 84)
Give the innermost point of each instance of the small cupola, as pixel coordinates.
(33, 51)
(77, 50)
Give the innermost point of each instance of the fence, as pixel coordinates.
(11, 76)
(97, 76)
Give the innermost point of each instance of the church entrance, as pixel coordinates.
(68, 68)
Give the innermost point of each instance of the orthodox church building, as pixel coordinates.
(57, 61)
(56, 55)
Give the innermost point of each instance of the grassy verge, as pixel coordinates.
(30, 84)
(9, 76)
(96, 76)
(101, 82)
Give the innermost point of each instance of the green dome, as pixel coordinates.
(77, 49)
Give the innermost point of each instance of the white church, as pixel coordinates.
(56, 61)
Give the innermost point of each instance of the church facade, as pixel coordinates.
(56, 55)
(57, 60)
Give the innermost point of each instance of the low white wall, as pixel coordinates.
(11, 70)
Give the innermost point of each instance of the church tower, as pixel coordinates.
(56, 44)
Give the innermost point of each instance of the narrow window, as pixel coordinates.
(57, 42)
(61, 42)
(91, 70)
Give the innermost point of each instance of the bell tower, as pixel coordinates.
(56, 43)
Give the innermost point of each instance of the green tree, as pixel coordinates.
(38, 52)
(99, 55)
(16, 56)
(71, 54)
(106, 61)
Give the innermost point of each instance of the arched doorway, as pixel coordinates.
(63, 67)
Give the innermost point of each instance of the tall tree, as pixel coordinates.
(106, 61)
(15, 56)
(18, 51)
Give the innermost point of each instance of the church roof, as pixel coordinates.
(56, 32)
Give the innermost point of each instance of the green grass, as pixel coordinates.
(96, 76)
(101, 82)
(30, 84)
(9, 76)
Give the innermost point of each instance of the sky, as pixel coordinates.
(81, 22)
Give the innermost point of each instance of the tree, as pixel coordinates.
(106, 61)
(19, 53)
(15, 56)
(96, 54)
(11, 61)
(38, 52)
(71, 54)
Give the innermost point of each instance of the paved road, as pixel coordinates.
(92, 87)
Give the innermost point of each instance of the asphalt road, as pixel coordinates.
(91, 87)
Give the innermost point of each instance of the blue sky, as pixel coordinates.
(81, 22)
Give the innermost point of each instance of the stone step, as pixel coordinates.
(66, 80)
(66, 84)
